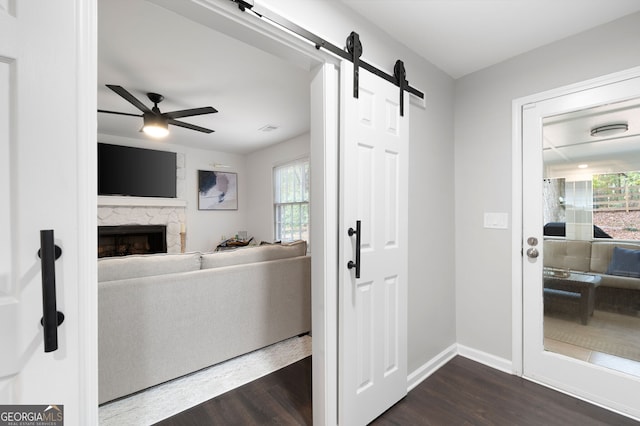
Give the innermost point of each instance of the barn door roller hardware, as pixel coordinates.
(354, 47)
(352, 52)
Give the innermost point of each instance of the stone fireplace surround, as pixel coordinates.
(114, 210)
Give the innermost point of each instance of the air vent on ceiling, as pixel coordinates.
(268, 128)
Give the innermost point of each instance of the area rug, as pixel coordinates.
(606, 332)
(173, 397)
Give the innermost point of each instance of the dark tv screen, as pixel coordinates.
(124, 170)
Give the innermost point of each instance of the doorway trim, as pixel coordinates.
(87, 183)
(517, 241)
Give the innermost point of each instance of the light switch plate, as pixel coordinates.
(496, 220)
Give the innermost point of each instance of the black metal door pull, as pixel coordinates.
(351, 264)
(51, 318)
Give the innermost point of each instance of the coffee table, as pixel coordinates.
(572, 286)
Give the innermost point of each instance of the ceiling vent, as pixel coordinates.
(268, 128)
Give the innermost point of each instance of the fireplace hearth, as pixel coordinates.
(124, 240)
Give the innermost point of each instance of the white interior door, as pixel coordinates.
(610, 388)
(47, 135)
(373, 307)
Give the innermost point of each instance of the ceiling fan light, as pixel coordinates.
(156, 131)
(155, 126)
(609, 130)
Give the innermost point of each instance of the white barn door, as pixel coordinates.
(372, 308)
(47, 137)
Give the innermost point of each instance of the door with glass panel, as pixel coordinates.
(581, 248)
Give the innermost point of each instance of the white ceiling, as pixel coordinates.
(145, 48)
(463, 36)
(194, 66)
(568, 142)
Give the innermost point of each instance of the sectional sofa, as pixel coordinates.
(165, 316)
(617, 263)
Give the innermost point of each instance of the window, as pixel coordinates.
(616, 204)
(610, 203)
(291, 201)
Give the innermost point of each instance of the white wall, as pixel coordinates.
(204, 228)
(483, 126)
(431, 311)
(431, 316)
(260, 166)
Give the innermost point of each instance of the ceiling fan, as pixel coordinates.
(156, 123)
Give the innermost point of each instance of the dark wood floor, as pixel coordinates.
(462, 392)
(280, 398)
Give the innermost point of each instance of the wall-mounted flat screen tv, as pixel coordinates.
(124, 170)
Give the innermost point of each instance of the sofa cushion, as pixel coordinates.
(254, 254)
(602, 252)
(136, 266)
(625, 263)
(567, 254)
(619, 282)
(154, 329)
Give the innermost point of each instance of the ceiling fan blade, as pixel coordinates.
(129, 97)
(190, 112)
(120, 113)
(189, 126)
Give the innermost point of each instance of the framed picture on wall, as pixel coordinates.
(217, 190)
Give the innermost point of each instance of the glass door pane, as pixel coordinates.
(591, 252)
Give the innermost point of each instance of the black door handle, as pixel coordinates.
(351, 264)
(51, 318)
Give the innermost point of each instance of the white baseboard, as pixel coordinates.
(431, 366)
(504, 365)
(487, 359)
(445, 356)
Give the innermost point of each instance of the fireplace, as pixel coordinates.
(131, 239)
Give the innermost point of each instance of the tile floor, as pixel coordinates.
(605, 360)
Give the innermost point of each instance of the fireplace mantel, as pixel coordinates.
(115, 201)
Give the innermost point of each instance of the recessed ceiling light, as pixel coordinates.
(583, 166)
(609, 129)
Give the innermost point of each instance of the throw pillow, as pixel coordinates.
(625, 263)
